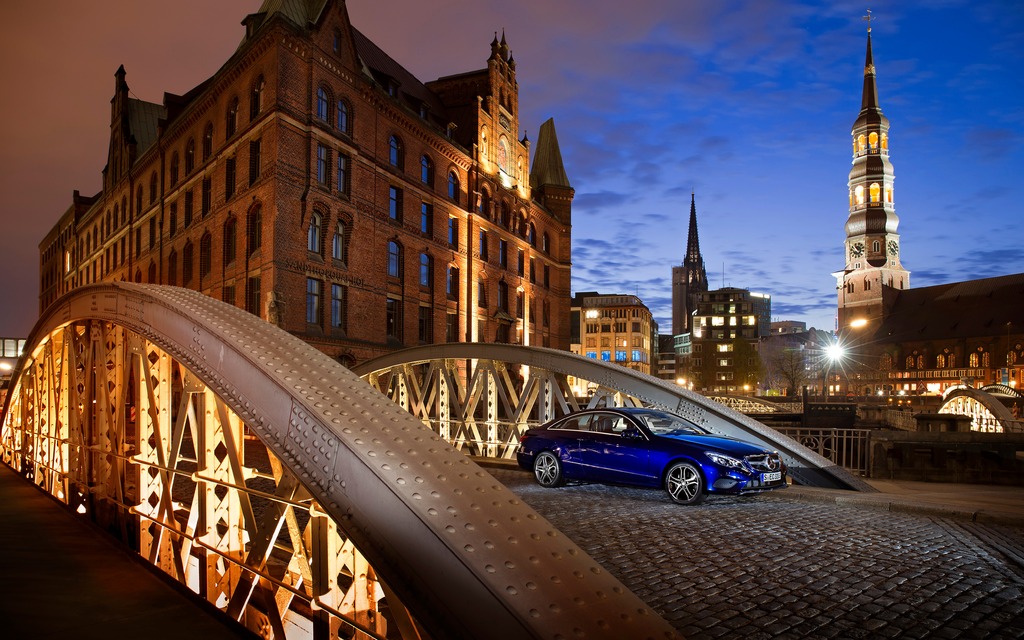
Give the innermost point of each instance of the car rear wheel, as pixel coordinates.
(685, 484)
(548, 470)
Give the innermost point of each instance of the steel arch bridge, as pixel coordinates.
(275, 484)
(483, 396)
(987, 413)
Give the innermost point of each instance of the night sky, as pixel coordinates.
(747, 103)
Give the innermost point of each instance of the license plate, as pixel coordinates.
(775, 476)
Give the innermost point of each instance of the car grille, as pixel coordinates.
(765, 462)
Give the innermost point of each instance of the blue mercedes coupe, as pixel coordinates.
(649, 448)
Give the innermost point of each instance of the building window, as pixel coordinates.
(481, 294)
(545, 310)
(426, 171)
(395, 152)
(315, 233)
(451, 327)
(152, 188)
(426, 271)
(322, 104)
(547, 277)
(453, 232)
(314, 290)
(254, 229)
(339, 307)
(451, 286)
(187, 218)
(252, 295)
(344, 119)
(503, 296)
(503, 253)
(482, 245)
(152, 233)
(229, 178)
(138, 201)
(426, 325)
(254, 161)
(453, 186)
(207, 141)
(394, 319)
(533, 271)
(520, 304)
(187, 263)
(205, 254)
(231, 118)
(172, 268)
(426, 219)
(394, 260)
(323, 165)
(256, 98)
(339, 244)
(395, 204)
(227, 295)
(521, 263)
(531, 235)
(190, 156)
(174, 169)
(545, 243)
(206, 196)
(172, 219)
(230, 239)
(343, 174)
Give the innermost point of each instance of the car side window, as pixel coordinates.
(576, 423)
(609, 423)
(619, 425)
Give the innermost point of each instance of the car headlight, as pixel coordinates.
(725, 461)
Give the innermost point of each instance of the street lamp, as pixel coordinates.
(834, 354)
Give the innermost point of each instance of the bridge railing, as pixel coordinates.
(848, 448)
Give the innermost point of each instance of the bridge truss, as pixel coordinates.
(988, 414)
(482, 397)
(280, 488)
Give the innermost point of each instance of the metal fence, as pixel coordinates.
(847, 448)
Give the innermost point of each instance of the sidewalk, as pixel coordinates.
(63, 577)
(990, 504)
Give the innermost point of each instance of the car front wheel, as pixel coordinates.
(548, 470)
(685, 484)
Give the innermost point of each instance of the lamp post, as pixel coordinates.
(834, 353)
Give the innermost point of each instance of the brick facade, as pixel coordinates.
(217, 190)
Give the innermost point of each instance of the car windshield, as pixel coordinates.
(665, 424)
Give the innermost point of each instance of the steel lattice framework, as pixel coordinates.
(987, 413)
(482, 397)
(281, 488)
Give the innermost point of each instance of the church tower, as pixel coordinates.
(689, 279)
(872, 245)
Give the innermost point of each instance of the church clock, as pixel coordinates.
(894, 248)
(857, 249)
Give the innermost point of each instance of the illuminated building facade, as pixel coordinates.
(316, 183)
(727, 327)
(616, 328)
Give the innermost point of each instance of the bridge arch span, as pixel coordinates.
(116, 389)
(987, 412)
(422, 380)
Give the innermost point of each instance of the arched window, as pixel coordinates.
(323, 102)
(187, 259)
(910, 362)
(151, 275)
(172, 268)
(506, 215)
(315, 234)
(940, 361)
(973, 361)
(885, 141)
(336, 43)
(873, 140)
(858, 193)
(344, 117)
(426, 272)
(503, 296)
(190, 156)
(339, 245)
(152, 188)
(952, 360)
(207, 141)
(920, 362)
(205, 255)
(124, 211)
(426, 171)
(986, 360)
(876, 246)
(254, 229)
(138, 275)
(531, 235)
(174, 169)
(230, 239)
(231, 118)
(875, 192)
(395, 152)
(885, 363)
(485, 203)
(451, 286)
(256, 97)
(545, 243)
(860, 142)
(394, 260)
(138, 201)
(453, 186)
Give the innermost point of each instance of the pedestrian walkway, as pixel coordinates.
(61, 577)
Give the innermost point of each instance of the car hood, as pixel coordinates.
(720, 444)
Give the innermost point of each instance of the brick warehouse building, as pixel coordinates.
(315, 182)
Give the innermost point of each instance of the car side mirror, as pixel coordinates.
(632, 433)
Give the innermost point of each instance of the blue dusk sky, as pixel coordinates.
(748, 103)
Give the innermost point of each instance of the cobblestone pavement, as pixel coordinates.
(758, 567)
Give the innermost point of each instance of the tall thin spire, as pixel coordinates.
(692, 241)
(869, 99)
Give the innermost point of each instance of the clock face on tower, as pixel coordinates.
(856, 249)
(894, 248)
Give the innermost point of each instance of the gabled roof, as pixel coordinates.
(301, 12)
(383, 68)
(143, 118)
(958, 310)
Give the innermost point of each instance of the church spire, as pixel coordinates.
(692, 242)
